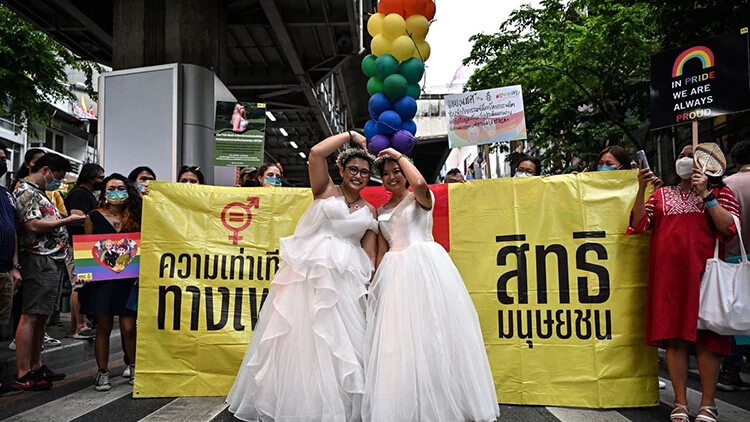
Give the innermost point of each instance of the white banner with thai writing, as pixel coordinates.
(485, 117)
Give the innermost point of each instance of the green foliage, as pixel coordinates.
(584, 68)
(32, 71)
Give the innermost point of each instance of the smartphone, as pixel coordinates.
(640, 157)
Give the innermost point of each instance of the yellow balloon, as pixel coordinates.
(375, 24)
(422, 52)
(402, 48)
(417, 26)
(393, 26)
(380, 45)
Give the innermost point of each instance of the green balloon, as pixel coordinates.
(386, 65)
(394, 86)
(374, 85)
(413, 90)
(368, 65)
(412, 70)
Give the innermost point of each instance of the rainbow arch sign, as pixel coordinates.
(702, 80)
(703, 53)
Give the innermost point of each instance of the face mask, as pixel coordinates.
(684, 167)
(3, 168)
(140, 186)
(53, 185)
(117, 197)
(607, 168)
(521, 174)
(272, 181)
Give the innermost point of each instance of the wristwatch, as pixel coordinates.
(17, 266)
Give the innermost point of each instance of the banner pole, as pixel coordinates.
(695, 134)
(487, 160)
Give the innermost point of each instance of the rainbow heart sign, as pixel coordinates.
(107, 257)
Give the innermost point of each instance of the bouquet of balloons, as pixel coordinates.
(395, 68)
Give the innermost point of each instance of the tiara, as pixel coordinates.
(354, 152)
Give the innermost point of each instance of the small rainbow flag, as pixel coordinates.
(107, 256)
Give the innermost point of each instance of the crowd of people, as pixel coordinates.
(37, 225)
(362, 304)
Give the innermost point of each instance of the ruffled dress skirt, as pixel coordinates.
(305, 359)
(425, 355)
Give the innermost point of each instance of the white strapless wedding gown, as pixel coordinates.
(305, 360)
(424, 355)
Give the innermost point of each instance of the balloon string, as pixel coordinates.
(421, 57)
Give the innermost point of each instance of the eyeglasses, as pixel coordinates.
(190, 168)
(354, 170)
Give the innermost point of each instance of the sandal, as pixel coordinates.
(713, 414)
(679, 413)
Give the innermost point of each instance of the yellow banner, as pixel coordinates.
(207, 257)
(560, 291)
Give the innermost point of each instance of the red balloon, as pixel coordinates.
(415, 7)
(429, 11)
(387, 7)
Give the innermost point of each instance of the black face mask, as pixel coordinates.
(3, 168)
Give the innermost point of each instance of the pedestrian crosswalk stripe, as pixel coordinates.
(727, 412)
(567, 414)
(75, 405)
(189, 409)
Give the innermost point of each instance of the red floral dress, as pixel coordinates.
(683, 237)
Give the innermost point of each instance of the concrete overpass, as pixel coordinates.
(300, 57)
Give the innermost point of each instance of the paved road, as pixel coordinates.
(76, 400)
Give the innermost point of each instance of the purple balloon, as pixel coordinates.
(403, 142)
(379, 143)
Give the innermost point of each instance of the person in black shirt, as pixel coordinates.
(81, 201)
(10, 277)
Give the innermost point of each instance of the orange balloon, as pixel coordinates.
(429, 11)
(387, 7)
(415, 7)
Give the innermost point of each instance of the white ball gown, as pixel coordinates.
(424, 355)
(305, 360)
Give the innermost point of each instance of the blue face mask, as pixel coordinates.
(140, 186)
(607, 168)
(272, 181)
(53, 185)
(116, 197)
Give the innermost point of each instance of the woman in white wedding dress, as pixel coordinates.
(305, 360)
(424, 355)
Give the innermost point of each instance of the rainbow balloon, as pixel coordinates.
(395, 68)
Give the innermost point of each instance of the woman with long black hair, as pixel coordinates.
(118, 211)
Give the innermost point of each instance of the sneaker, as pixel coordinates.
(12, 345)
(32, 381)
(132, 374)
(9, 390)
(51, 342)
(126, 372)
(50, 375)
(732, 382)
(101, 383)
(662, 385)
(86, 334)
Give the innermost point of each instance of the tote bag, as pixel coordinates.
(725, 294)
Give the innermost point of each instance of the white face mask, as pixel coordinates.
(521, 174)
(684, 167)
